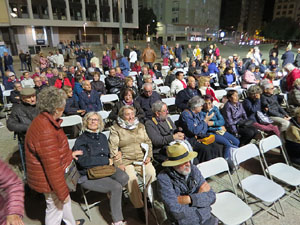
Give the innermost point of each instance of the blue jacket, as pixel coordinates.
(90, 104)
(8, 60)
(212, 68)
(124, 65)
(77, 90)
(193, 124)
(287, 57)
(218, 119)
(146, 103)
(251, 107)
(95, 151)
(171, 185)
(71, 106)
(178, 52)
(184, 96)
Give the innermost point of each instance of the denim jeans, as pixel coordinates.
(229, 141)
(23, 64)
(11, 68)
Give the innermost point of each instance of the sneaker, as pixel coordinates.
(120, 223)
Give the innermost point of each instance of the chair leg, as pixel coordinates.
(86, 204)
(276, 210)
(281, 207)
(22, 159)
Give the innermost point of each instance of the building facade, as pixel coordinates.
(287, 8)
(28, 24)
(183, 19)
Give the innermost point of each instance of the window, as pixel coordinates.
(59, 10)
(291, 6)
(285, 6)
(104, 11)
(290, 12)
(284, 13)
(18, 8)
(128, 11)
(175, 7)
(40, 9)
(90, 10)
(279, 7)
(278, 13)
(75, 9)
(115, 10)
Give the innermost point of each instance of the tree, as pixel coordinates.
(282, 28)
(146, 17)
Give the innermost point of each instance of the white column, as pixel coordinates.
(29, 7)
(83, 10)
(50, 10)
(111, 11)
(68, 10)
(98, 11)
(123, 10)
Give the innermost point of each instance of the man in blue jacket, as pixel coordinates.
(8, 62)
(186, 195)
(89, 100)
(178, 52)
(287, 57)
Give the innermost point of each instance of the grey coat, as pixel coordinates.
(271, 102)
(172, 184)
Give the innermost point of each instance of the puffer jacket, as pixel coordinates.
(47, 156)
(271, 102)
(21, 117)
(95, 151)
(113, 84)
(171, 185)
(129, 143)
(149, 55)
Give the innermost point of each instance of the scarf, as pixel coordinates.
(128, 103)
(183, 83)
(124, 124)
(209, 91)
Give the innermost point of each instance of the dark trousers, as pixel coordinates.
(247, 133)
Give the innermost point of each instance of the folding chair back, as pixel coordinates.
(71, 143)
(104, 114)
(106, 133)
(174, 117)
(164, 90)
(169, 101)
(269, 143)
(220, 93)
(213, 167)
(158, 82)
(245, 153)
(71, 121)
(109, 98)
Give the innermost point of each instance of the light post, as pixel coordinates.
(84, 31)
(186, 33)
(147, 34)
(121, 26)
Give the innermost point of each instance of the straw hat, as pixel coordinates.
(177, 155)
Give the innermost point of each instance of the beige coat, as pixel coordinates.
(293, 134)
(129, 143)
(149, 55)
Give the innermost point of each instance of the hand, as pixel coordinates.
(121, 167)
(184, 199)
(118, 156)
(210, 123)
(148, 159)
(266, 109)
(14, 220)
(207, 117)
(67, 199)
(287, 118)
(76, 153)
(111, 162)
(178, 136)
(223, 128)
(204, 187)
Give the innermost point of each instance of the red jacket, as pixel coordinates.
(12, 199)
(58, 83)
(47, 156)
(290, 79)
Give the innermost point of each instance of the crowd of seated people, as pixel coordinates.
(212, 126)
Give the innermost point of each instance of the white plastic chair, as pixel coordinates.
(256, 185)
(6, 95)
(106, 73)
(106, 133)
(281, 171)
(109, 98)
(102, 78)
(132, 73)
(104, 114)
(169, 101)
(158, 82)
(71, 143)
(71, 120)
(174, 117)
(238, 212)
(220, 93)
(164, 90)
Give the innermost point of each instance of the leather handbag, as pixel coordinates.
(72, 175)
(101, 171)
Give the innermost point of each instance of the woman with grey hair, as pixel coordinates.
(94, 146)
(194, 126)
(126, 137)
(48, 156)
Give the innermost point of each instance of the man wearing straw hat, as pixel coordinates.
(185, 193)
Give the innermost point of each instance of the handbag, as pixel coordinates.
(207, 140)
(101, 171)
(263, 119)
(245, 123)
(71, 176)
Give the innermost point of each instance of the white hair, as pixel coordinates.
(289, 67)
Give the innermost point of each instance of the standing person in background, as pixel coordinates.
(132, 57)
(48, 156)
(149, 56)
(197, 52)
(287, 57)
(297, 59)
(274, 50)
(12, 197)
(106, 62)
(126, 52)
(124, 65)
(89, 56)
(178, 52)
(114, 57)
(22, 57)
(28, 61)
(8, 62)
(165, 55)
(1, 66)
(189, 52)
(216, 50)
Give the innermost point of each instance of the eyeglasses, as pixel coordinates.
(93, 120)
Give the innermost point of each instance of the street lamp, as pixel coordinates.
(121, 26)
(84, 32)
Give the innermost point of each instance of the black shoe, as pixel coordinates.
(141, 214)
(80, 222)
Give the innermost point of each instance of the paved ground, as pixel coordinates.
(34, 203)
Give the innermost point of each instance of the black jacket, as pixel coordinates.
(184, 96)
(13, 96)
(95, 151)
(113, 84)
(71, 106)
(271, 102)
(21, 117)
(139, 111)
(146, 103)
(99, 87)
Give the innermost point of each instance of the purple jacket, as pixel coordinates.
(106, 61)
(12, 197)
(233, 114)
